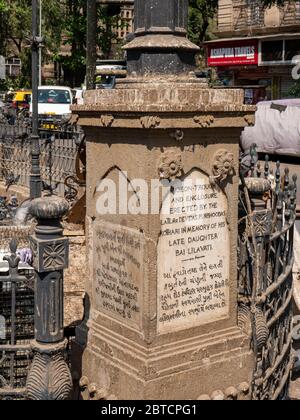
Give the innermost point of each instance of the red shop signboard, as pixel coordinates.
(239, 53)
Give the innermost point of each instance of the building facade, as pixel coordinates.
(127, 18)
(256, 47)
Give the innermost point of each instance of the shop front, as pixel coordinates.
(261, 66)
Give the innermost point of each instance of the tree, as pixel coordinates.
(201, 14)
(91, 49)
(75, 34)
(15, 31)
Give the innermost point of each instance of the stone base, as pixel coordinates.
(294, 393)
(213, 366)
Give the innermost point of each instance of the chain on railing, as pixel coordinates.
(266, 233)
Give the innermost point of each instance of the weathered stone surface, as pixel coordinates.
(74, 280)
(166, 129)
(118, 272)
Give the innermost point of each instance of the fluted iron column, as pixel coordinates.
(36, 44)
(160, 45)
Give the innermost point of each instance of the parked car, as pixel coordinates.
(54, 105)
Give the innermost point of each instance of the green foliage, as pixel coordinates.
(295, 90)
(201, 14)
(75, 37)
(3, 6)
(15, 31)
(107, 29)
(62, 19)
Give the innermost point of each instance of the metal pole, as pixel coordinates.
(91, 43)
(35, 176)
(40, 49)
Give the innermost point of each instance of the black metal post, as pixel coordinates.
(35, 176)
(49, 377)
(91, 43)
(160, 45)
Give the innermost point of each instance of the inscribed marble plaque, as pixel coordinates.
(193, 256)
(118, 272)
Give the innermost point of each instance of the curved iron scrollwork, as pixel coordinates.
(266, 231)
(75, 192)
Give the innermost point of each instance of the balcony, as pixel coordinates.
(249, 18)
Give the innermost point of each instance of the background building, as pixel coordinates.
(127, 16)
(256, 46)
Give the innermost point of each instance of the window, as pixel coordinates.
(279, 51)
(54, 96)
(272, 51)
(292, 48)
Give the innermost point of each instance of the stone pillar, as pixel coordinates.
(49, 377)
(160, 44)
(161, 318)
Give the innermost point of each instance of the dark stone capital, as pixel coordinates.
(160, 45)
(161, 17)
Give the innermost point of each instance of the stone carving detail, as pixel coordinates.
(250, 120)
(50, 255)
(178, 135)
(200, 354)
(107, 120)
(170, 165)
(150, 121)
(54, 255)
(204, 120)
(148, 372)
(49, 377)
(106, 349)
(232, 393)
(92, 392)
(223, 166)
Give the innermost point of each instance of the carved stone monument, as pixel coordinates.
(161, 322)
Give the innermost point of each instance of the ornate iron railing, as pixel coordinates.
(16, 325)
(32, 342)
(266, 232)
(58, 155)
